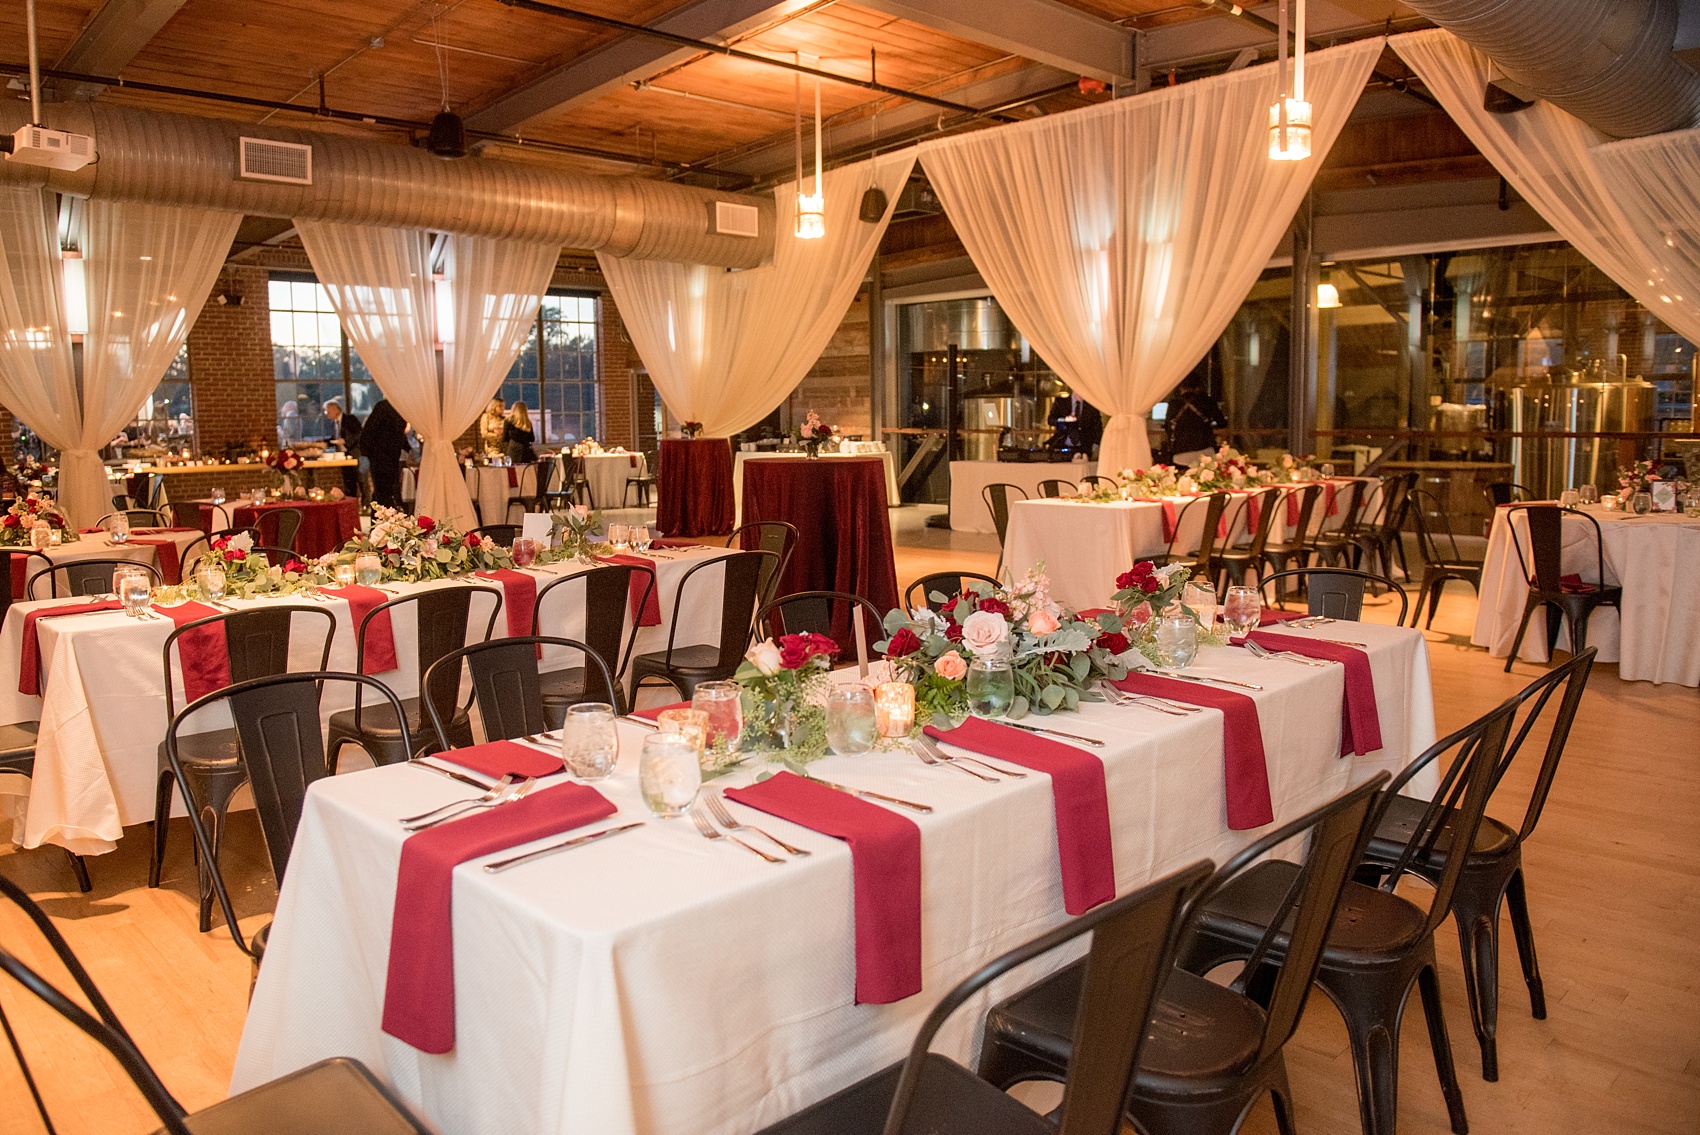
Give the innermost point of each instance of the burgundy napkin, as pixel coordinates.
(519, 596)
(204, 654)
(1330, 504)
(654, 714)
(1253, 512)
(885, 858)
(1571, 584)
(650, 616)
(1275, 615)
(1360, 730)
(513, 477)
(504, 758)
(29, 665)
(1077, 788)
(379, 653)
(419, 1001)
(170, 566)
(18, 576)
(1244, 765)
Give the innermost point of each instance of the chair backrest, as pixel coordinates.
(138, 517)
(1424, 511)
(252, 533)
(505, 684)
(1457, 805)
(608, 610)
(1506, 492)
(503, 534)
(1134, 939)
(442, 615)
(276, 556)
(1268, 501)
(1542, 566)
(1052, 488)
(1396, 489)
(16, 563)
(1338, 593)
(1357, 495)
(1213, 507)
(192, 552)
(996, 495)
(288, 524)
(740, 596)
(776, 536)
(1531, 702)
(548, 468)
(85, 577)
(1096, 479)
(946, 583)
(256, 640)
(831, 613)
(1307, 494)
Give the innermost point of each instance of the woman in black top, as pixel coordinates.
(517, 436)
(382, 440)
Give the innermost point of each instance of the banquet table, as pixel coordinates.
(694, 494)
(1656, 560)
(146, 545)
(493, 486)
(968, 512)
(741, 458)
(326, 525)
(658, 983)
(843, 536)
(102, 706)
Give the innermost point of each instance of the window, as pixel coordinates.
(167, 417)
(562, 383)
(313, 361)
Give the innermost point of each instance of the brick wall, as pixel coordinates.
(615, 362)
(837, 386)
(230, 364)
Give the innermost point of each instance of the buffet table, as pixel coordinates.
(1656, 560)
(694, 493)
(968, 512)
(740, 458)
(658, 983)
(326, 525)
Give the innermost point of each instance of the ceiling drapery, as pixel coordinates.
(1121, 238)
(725, 348)
(1631, 207)
(149, 269)
(380, 283)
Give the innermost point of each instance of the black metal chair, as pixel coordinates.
(776, 536)
(1507, 492)
(85, 577)
(1493, 867)
(831, 613)
(138, 518)
(1295, 549)
(1235, 559)
(946, 583)
(1380, 944)
(1382, 541)
(191, 554)
(503, 534)
(21, 566)
(1211, 1051)
(442, 615)
(505, 684)
(997, 496)
(608, 613)
(1573, 600)
(1200, 560)
(1052, 487)
(276, 556)
(209, 767)
(1439, 564)
(578, 490)
(1336, 592)
(686, 667)
(1338, 547)
(644, 482)
(17, 755)
(1133, 947)
(288, 526)
(1093, 480)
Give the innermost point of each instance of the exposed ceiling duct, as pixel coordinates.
(179, 159)
(1608, 62)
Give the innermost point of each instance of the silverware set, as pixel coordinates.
(1206, 679)
(931, 753)
(1120, 697)
(1256, 650)
(716, 807)
(563, 845)
(504, 791)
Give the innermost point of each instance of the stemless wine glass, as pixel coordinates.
(1641, 503)
(1328, 469)
(851, 725)
(118, 528)
(618, 535)
(1201, 597)
(368, 569)
(1590, 494)
(590, 743)
(217, 495)
(1177, 639)
(1242, 609)
(134, 589)
(1569, 498)
(640, 537)
(669, 774)
(990, 686)
(723, 702)
(211, 579)
(524, 551)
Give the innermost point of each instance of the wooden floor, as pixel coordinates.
(1614, 888)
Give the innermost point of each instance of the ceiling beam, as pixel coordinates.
(114, 36)
(1042, 30)
(628, 59)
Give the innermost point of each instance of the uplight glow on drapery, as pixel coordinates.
(149, 269)
(724, 348)
(379, 282)
(1630, 207)
(1121, 238)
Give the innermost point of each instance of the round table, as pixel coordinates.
(694, 494)
(493, 486)
(161, 547)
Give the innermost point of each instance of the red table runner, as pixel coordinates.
(325, 525)
(1244, 765)
(1360, 721)
(650, 615)
(378, 651)
(694, 487)
(29, 664)
(204, 654)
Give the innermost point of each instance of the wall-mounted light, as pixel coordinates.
(1289, 117)
(442, 293)
(1327, 295)
(75, 287)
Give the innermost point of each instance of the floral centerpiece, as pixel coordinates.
(31, 471)
(1640, 478)
(412, 548)
(285, 464)
(689, 430)
(589, 447)
(814, 433)
(785, 687)
(570, 535)
(1224, 471)
(27, 513)
(1143, 592)
(247, 575)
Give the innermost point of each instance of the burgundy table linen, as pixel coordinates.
(419, 999)
(1330, 505)
(519, 598)
(1269, 615)
(694, 487)
(885, 856)
(1245, 768)
(203, 654)
(159, 539)
(503, 758)
(378, 655)
(29, 664)
(325, 525)
(653, 713)
(1360, 724)
(1077, 788)
(650, 615)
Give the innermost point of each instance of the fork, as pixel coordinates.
(490, 793)
(1146, 701)
(931, 758)
(718, 809)
(513, 792)
(1257, 650)
(936, 750)
(709, 831)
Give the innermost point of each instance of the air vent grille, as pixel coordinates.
(731, 219)
(262, 159)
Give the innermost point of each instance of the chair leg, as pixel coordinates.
(161, 824)
(1428, 982)
(1281, 1095)
(1434, 592)
(1478, 941)
(1372, 1004)
(1517, 902)
(213, 797)
(1517, 643)
(81, 871)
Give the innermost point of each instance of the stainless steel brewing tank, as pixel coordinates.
(1551, 465)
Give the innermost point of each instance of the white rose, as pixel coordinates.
(764, 656)
(1163, 573)
(241, 542)
(984, 631)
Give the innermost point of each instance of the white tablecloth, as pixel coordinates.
(491, 491)
(968, 512)
(1656, 560)
(738, 459)
(96, 546)
(657, 983)
(102, 712)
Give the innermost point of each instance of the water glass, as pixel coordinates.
(211, 579)
(1569, 498)
(669, 774)
(1641, 503)
(618, 536)
(1590, 494)
(368, 569)
(1201, 597)
(723, 704)
(524, 551)
(1242, 609)
(1328, 469)
(118, 528)
(134, 590)
(217, 495)
(851, 724)
(991, 687)
(590, 743)
(1177, 640)
(41, 536)
(640, 537)
(344, 574)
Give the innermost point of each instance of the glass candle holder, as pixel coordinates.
(852, 725)
(344, 574)
(894, 708)
(40, 536)
(669, 774)
(722, 706)
(54, 536)
(691, 724)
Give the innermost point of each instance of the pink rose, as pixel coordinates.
(951, 666)
(1042, 623)
(984, 631)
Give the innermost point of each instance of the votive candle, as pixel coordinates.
(691, 724)
(894, 708)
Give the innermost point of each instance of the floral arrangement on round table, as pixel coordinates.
(785, 687)
(814, 433)
(690, 430)
(1640, 478)
(285, 464)
(589, 447)
(27, 513)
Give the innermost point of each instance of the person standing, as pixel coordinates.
(518, 436)
(1192, 421)
(345, 435)
(382, 441)
(490, 426)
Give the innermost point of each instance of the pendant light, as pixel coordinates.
(811, 207)
(1327, 295)
(1289, 117)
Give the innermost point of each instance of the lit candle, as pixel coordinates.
(691, 724)
(344, 575)
(894, 708)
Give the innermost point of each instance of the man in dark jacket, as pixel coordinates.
(345, 433)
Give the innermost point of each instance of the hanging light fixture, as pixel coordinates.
(75, 292)
(1289, 117)
(1327, 295)
(811, 207)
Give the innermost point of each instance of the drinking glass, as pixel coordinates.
(618, 535)
(118, 528)
(524, 551)
(217, 495)
(723, 703)
(1590, 494)
(368, 569)
(1569, 498)
(1242, 609)
(41, 536)
(134, 589)
(1641, 503)
(1201, 597)
(851, 725)
(1177, 640)
(211, 579)
(669, 774)
(640, 537)
(590, 743)
(1328, 469)
(691, 724)
(991, 687)
(344, 575)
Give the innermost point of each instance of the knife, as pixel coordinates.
(1201, 678)
(420, 762)
(1093, 741)
(576, 841)
(866, 795)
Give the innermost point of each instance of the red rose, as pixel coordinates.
(235, 555)
(427, 525)
(796, 649)
(1113, 641)
(295, 566)
(1055, 658)
(905, 642)
(470, 541)
(10, 521)
(29, 502)
(995, 605)
(953, 632)
(950, 606)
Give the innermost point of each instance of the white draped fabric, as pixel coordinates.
(1630, 207)
(724, 348)
(1121, 238)
(149, 269)
(379, 281)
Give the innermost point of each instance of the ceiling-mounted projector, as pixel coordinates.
(55, 149)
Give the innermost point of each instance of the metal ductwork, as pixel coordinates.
(1608, 62)
(179, 159)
